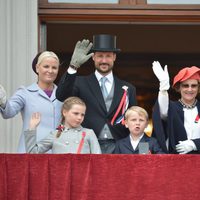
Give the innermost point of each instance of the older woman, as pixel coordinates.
(38, 97)
(176, 123)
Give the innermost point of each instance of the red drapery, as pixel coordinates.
(99, 177)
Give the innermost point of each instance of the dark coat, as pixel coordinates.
(124, 146)
(88, 89)
(173, 128)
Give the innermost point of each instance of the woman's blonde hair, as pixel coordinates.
(46, 54)
(141, 111)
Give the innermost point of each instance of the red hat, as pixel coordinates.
(187, 73)
(35, 60)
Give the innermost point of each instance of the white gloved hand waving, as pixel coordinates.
(185, 146)
(3, 98)
(162, 75)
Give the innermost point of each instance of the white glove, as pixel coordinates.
(185, 146)
(2, 97)
(162, 75)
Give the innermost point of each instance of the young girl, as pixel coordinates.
(136, 120)
(70, 136)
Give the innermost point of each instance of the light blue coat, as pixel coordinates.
(28, 100)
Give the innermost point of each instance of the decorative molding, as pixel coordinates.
(85, 1)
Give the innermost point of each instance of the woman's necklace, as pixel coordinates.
(188, 106)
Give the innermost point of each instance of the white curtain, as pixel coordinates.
(18, 46)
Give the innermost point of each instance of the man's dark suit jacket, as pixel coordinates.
(124, 146)
(88, 89)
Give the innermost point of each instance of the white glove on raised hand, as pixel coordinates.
(80, 53)
(185, 146)
(3, 98)
(162, 75)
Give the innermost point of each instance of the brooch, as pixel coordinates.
(60, 128)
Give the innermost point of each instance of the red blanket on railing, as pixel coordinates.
(99, 177)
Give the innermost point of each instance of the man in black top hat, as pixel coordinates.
(106, 96)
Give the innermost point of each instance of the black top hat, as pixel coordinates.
(104, 43)
(35, 60)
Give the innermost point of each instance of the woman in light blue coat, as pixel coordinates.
(38, 97)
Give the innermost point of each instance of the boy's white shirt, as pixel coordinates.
(135, 143)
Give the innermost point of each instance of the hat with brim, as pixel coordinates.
(104, 43)
(34, 63)
(187, 73)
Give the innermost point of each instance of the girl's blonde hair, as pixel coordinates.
(67, 105)
(141, 111)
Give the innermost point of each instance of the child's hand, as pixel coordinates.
(34, 121)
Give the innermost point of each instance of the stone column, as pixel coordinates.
(18, 46)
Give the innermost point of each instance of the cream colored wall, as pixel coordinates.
(18, 46)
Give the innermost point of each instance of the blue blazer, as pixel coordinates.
(124, 146)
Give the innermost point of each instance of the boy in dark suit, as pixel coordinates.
(136, 120)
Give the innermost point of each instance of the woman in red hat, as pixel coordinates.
(38, 97)
(176, 123)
